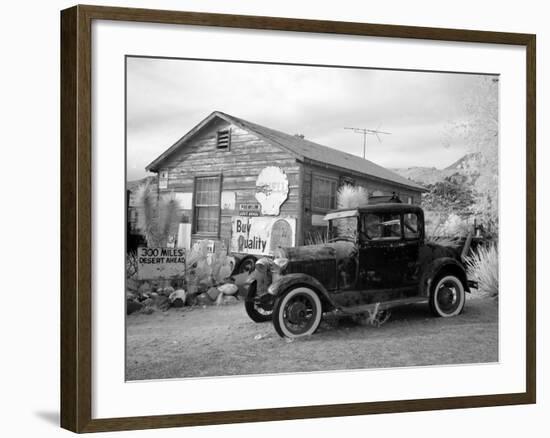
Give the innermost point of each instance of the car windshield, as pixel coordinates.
(343, 228)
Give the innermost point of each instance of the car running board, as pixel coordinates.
(381, 306)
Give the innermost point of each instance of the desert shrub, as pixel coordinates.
(455, 225)
(352, 196)
(483, 267)
(446, 230)
(439, 235)
(131, 264)
(374, 317)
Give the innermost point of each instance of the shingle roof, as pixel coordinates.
(303, 149)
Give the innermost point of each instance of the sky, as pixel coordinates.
(168, 97)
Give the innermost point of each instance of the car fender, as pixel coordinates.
(284, 282)
(435, 268)
(262, 278)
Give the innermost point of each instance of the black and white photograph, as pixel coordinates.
(286, 218)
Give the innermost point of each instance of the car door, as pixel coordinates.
(381, 261)
(412, 240)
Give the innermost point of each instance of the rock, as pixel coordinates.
(219, 300)
(132, 306)
(162, 302)
(147, 302)
(147, 310)
(205, 284)
(178, 302)
(204, 300)
(168, 291)
(144, 288)
(213, 293)
(178, 294)
(229, 299)
(228, 289)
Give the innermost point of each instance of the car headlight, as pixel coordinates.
(280, 264)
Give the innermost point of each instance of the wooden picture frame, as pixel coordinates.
(76, 217)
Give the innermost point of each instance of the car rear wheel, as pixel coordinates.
(447, 297)
(297, 313)
(258, 307)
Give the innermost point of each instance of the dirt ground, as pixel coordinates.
(216, 341)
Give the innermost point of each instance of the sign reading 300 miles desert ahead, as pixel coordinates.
(160, 263)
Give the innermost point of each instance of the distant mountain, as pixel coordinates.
(431, 175)
(421, 175)
(132, 185)
(464, 162)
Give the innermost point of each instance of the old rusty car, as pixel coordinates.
(376, 257)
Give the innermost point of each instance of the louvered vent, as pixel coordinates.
(224, 139)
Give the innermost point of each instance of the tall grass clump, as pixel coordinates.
(483, 267)
(316, 238)
(158, 218)
(352, 196)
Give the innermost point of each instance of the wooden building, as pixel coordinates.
(237, 182)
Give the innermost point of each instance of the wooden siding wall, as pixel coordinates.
(239, 168)
(371, 185)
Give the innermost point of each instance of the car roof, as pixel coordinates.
(389, 207)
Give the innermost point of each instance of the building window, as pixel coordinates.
(224, 139)
(207, 204)
(323, 193)
(409, 199)
(163, 179)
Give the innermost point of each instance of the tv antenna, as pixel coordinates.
(365, 132)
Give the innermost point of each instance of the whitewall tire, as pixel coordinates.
(297, 313)
(447, 297)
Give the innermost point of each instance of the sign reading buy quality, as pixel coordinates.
(261, 235)
(160, 263)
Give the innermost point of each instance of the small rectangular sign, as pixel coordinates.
(156, 263)
(249, 209)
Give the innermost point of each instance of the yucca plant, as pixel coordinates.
(157, 218)
(483, 267)
(352, 196)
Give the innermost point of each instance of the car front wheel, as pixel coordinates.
(297, 313)
(258, 307)
(447, 296)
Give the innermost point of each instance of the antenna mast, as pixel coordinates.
(365, 132)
